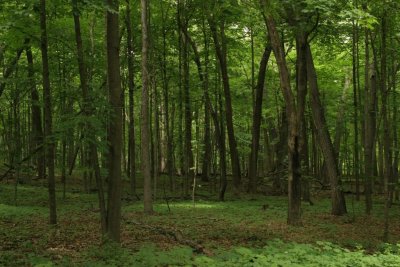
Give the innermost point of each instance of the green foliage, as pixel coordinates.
(275, 253)
(147, 256)
(362, 17)
(14, 212)
(279, 253)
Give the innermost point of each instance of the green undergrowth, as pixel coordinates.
(274, 253)
(247, 231)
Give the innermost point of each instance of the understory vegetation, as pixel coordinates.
(250, 231)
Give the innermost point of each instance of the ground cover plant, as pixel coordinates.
(237, 232)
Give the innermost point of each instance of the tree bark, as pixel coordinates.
(370, 125)
(387, 161)
(220, 47)
(338, 201)
(188, 162)
(88, 111)
(144, 114)
(37, 130)
(131, 86)
(355, 62)
(8, 71)
(113, 230)
(294, 168)
(257, 115)
(49, 142)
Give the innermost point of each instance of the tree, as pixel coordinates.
(325, 142)
(131, 85)
(255, 141)
(49, 142)
(88, 110)
(37, 129)
(294, 168)
(144, 115)
(115, 124)
(221, 51)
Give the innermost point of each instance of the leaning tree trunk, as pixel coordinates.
(294, 168)
(49, 143)
(257, 115)
(338, 201)
(37, 130)
(220, 47)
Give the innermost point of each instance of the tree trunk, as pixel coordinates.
(340, 119)
(144, 114)
(355, 106)
(88, 112)
(220, 47)
(37, 130)
(131, 86)
(168, 128)
(338, 201)
(294, 168)
(387, 161)
(115, 124)
(49, 142)
(222, 151)
(188, 163)
(257, 115)
(301, 86)
(370, 125)
(8, 71)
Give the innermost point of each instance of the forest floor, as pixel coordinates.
(249, 231)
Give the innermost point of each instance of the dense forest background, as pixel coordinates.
(154, 101)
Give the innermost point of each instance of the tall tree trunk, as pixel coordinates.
(340, 119)
(355, 106)
(37, 130)
(49, 143)
(338, 201)
(188, 162)
(168, 128)
(203, 76)
(115, 124)
(131, 86)
(387, 161)
(220, 47)
(144, 114)
(222, 151)
(257, 115)
(370, 125)
(301, 88)
(294, 168)
(88, 111)
(207, 123)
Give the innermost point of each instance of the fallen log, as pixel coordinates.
(177, 236)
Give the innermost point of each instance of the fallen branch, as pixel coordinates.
(177, 236)
(12, 167)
